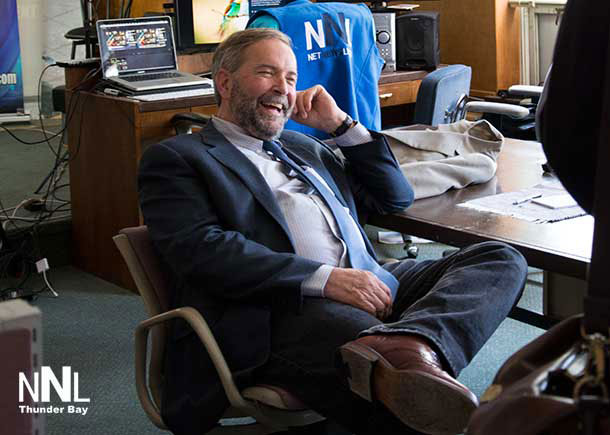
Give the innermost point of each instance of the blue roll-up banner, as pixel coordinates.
(11, 77)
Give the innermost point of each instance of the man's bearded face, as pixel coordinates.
(263, 116)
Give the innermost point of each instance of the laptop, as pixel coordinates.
(139, 54)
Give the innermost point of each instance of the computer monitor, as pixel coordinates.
(202, 24)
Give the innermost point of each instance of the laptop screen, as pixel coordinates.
(136, 45)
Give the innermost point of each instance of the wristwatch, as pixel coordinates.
(347, 123)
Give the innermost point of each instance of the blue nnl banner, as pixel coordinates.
(11, 79)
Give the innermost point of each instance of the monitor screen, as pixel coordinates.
(214, 20)
(203, 24)
(132, 45)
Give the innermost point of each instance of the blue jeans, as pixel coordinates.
(457, 302)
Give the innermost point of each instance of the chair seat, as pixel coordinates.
(274, 396)
(79, 33)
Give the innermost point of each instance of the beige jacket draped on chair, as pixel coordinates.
(453, 156)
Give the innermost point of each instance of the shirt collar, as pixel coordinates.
(237, 135)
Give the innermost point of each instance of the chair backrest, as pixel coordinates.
(145, 267)
(440, 93)
(147, 271)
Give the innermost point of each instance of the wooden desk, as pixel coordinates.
(561, 247)
(107, 136)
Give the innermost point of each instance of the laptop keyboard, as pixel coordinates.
(206, 90)
(155, 76)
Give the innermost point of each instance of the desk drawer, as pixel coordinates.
(394, 94)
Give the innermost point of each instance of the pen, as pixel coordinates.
(529, 198)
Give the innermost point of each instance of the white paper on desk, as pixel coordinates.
(556, 201)
(503, 204)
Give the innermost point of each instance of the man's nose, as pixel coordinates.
(281, 85)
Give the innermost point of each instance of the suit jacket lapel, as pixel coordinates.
(228, 155)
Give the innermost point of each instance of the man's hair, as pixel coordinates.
(229, 54)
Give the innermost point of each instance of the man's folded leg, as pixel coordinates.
(444, 312)
(402, 372)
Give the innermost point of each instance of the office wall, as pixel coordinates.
(484, 34)
(60, 16)
(547, 34)
(138, 8)
(31, 40)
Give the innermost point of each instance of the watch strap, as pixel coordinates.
(345, 125)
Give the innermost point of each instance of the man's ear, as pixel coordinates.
(223, 82)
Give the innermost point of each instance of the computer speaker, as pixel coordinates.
(417, 41)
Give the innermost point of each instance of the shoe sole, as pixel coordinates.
(421, 401)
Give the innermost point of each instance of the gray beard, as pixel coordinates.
(244, 111)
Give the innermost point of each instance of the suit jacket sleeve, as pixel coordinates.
(375, 177)
(198, 245)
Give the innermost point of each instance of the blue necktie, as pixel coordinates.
(359, 258)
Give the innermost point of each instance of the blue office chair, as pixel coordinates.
(442, 95)
(441, 99)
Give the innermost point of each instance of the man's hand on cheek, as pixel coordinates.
(316, 108)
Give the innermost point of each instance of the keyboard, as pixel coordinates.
(174, 94)
(155, 76)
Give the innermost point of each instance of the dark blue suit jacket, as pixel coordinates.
(219, 230)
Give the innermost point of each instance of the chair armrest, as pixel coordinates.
(512, 110)
(184, 122)
(525, 91)
(201, 328)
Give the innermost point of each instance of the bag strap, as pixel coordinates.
(597, 300)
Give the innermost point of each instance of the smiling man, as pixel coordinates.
(255, 106)
(259, 230)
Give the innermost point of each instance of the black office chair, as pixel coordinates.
(84, 35)
(87, 35)
(78, 37)
(514, 114)
(184, 123)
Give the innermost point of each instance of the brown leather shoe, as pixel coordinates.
(406, 375)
